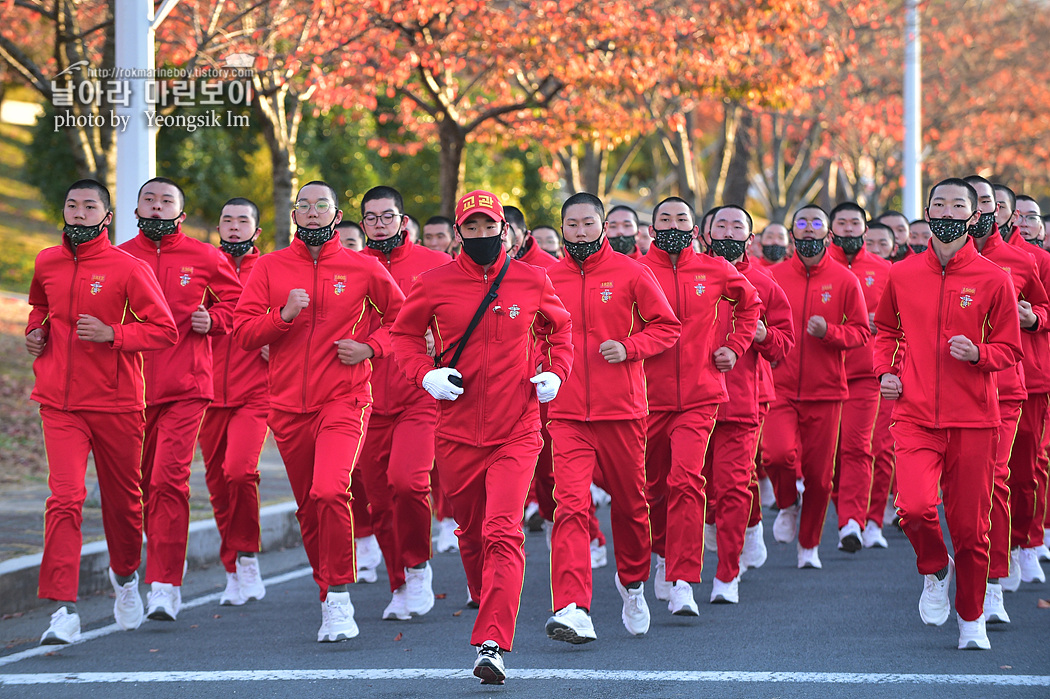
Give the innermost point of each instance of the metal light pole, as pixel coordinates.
(912, 185)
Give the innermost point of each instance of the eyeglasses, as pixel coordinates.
(321, 206)
(1031, 219)
(387, 218)
(816, 224)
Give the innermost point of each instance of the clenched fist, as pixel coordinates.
(200, 320)
(298, 299)
(817, 326)
(352, 352)
(91, 329)
(35, 342)
(613, 351)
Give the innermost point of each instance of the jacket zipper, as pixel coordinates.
(69, 351)
(937, 389)
(314, 300)
(802, 348)
(586, 351)
(678, 344)
(484, 361)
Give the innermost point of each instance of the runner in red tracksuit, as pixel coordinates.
(311, 302)
(620, 317)
(803, 423)
(398, 454)
(234, 426)
(855, 458)
(201, 288)
(622, 231)
(732, 482)
(88, 368)
(488, 428)
(947, 418)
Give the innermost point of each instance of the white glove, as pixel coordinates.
(547, 385)
(436, 383)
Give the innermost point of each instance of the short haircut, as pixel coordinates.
(1025, 197)
(349, 224)
(771, 224)
(443, 221)
(515, 217)
(383, 192)
(977, 179)
(808, 207)
(242, 201)
(584, 198)
(918, 220)
(622, 207)
(710, 215)
(321, 183)
(97, 187)
(165, 180)
(971, 193)
(747, 216)
(849, 206)
(888, 213)
(679, 200)
(877, 226)
(1010, 196)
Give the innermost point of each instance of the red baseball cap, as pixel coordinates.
(479, 201)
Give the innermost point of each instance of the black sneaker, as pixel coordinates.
(489, 665)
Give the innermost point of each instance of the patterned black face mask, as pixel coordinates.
(673, 241)
(581, 251)
(387, 245)
(918, 248)
(81, 234)
(624, 244)
(774, 253)
(809, 247)
(948, 229)
(849, 244)
(983, 226)
(239, 249)
(729, 249)
(315, 236)
(157, 228)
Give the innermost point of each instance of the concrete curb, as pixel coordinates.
(19, 576)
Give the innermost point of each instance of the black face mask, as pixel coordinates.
(157, 228)
(483, 251)
(983, 226)
(624, 244)
(315, 236)
(729, 249)
(238, 249)
(581, 251)
(807, 247)
(918, 248)
(850, 245)
(774, 253)
(673, 241)
(385, 246)
(947, 230)
(1035, 241)
(81, 234)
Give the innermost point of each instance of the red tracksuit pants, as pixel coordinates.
(1042, 474)
(757, 469)
(487, 488)
(882, 449)
(543, 488)
(320, 450)
(999, 534)
(617, 447)
(167, 452)
(231, 441)
(805, 433)
(961, 462)
(854, 461)
(116, 441)
(1025, 476)
(395, 465)
(730, 465)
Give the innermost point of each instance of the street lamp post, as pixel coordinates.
(912, 185)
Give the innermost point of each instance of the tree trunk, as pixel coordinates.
(453, 142)
(737, 174)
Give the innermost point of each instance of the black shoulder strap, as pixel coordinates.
(485, 303)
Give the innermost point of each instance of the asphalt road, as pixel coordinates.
(851, 629)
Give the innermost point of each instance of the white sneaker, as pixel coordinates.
(369, 556)
(419, 589)
(682, 602)
(808, 558)
(397, 608)
(488, 666)
(635, 614)
(1013, 581)
(322, 633)
(341, 624)
(973, 635)
(661, 587)
(872, 536)
(127, 607)
(1031, 571)
(1046, 537)
(711, 537)
(572, 625)
(1043, 552)
(231, 596)
(471, 602)
(725, 592)
(889, 515)
(785, 526)
(164, 601)
(531, 510)
(599, 497)
(754, 552)
(994, 609)
(849, 537)
(249, 578)
(599, 555)
(934, 604)
(64, 628)
(548, 529)
(766, 496)
(447, 540)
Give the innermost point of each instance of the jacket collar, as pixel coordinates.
(475, 270)
(596, 260)
(396, 255)
(964, 256)
(839, 255)
(331, 247)
(91, 248)
(796, 262)
(663, 259)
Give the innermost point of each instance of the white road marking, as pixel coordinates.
(514, 674)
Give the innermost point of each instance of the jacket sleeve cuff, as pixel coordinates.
(118, 336)
(377, 348)
(420, 373)
(278, 321)
(632, 350)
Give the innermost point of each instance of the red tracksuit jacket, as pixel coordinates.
(815, 369)
(533, 255)
(101, 281)
(191, 273)
(239, 376)
(344, 287)
(1021, 266)
(1036, 345)
(923, 307)
(873, 273)
(684, 376)
(749, 381)
(611, 298)
(392, 393)
(499, 401)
